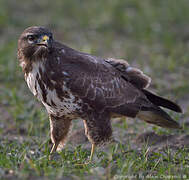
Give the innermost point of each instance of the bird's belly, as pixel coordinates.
(59, 102)
(59, 105)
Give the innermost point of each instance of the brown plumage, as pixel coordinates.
(72, 84)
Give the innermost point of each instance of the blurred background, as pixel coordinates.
(150, 35)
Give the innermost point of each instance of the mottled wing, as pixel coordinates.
(131, 74)
(99, 85)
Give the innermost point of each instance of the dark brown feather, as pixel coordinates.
(100, 85)
(159, 101)
(73, 84)
(131, 74)
(157, 116)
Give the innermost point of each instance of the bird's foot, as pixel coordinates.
(84, 164)
(53, 150)
(90, 159)
(54, 156)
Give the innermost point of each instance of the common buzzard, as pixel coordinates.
(73, 84)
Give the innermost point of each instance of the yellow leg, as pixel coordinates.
(92, 153)
(91, 156)
(54, 148)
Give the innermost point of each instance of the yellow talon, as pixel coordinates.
(54, 148)
(91, 157)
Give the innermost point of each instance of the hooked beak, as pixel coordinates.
(44, 41)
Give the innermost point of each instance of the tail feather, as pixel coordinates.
(159, 101)
(158, 117)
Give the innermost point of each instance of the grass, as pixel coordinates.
(151, 35)
(24, 162)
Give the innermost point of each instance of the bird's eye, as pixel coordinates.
(31, 38)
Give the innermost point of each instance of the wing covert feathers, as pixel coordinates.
(131, 74)
(141, 81)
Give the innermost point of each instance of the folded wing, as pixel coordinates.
(131, 74)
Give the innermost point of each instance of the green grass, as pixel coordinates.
(151, 35)
(26, 160)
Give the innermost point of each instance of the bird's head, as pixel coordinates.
(35, 42)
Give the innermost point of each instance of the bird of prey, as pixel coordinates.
(73, 84)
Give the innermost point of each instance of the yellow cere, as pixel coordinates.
(45, 38)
